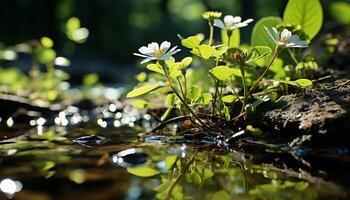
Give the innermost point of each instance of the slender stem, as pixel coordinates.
(215, 96)
(245, 92)
(266, 70)
(183, 172)
(171, 85)
(185, 84)
(234, 92)
(181, 89)
(293, 57)
(211, 34)
(229, 40)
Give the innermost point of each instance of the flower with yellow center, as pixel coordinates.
(286, 39)
(154, 51)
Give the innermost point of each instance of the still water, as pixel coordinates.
(70, 159)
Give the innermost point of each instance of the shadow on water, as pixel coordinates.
(103, 158)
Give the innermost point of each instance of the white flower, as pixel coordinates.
(155, 52)
(286, 39)
(231, 22)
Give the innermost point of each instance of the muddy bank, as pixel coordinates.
(322, 112)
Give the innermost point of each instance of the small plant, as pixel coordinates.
(44, 81)
(224, 80)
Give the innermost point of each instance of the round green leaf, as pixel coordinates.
(340, 12)
(261, 38)
(229, 98)
(222, 72)
(307, 13)
(259, 35)
(194, 93)
(143, 171)
(235, 39)
(207, 97)
(205, 51)
(46, 42)
(191, 42)
(303, 83)
(142, 90)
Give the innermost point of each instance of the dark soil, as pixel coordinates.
(322, 112)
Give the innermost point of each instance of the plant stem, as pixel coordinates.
(172, 87)
(229, 40)
(266, 70)
(183, 172)
(245, 92)
(181, 89)
(211, 34)
(293, 57)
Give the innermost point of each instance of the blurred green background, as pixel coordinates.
(117, 28)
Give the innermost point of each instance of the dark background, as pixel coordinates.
(119, 27)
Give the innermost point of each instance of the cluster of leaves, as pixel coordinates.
(215, 176)
(48, 84)
(228, 79)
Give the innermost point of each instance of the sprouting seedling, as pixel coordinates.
(155, 52)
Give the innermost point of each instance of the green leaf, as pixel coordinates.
(222, 195)
(194, 93)
(259, 35)
(303, 83)
(90, 79)
(46, 56)
(155, 68)
(261, 38)
(340, 12)
(170, 161)
(206, 98)
(140, 104)
(171, 99)
(191, 42)
(46, 42)
(229, 98)
(235, 39)
(73, 23)
(307, 13)
(205, 51)
(194, 177)
(142, 90)
(227, 114)
(222, 72)
(166, 113)
(207, 173)
(259, 52)
(277, 68)
(175, 74)
(143, 171)
(141, 77)
(186, 62)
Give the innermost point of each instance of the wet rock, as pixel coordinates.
(130, 158)
(323, 112)
(89, 141)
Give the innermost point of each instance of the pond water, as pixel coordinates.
(69, 160)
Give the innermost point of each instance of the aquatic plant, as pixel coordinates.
(227, 80)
